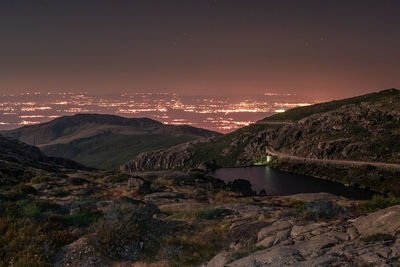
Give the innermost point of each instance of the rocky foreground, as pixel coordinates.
(178, 219)
(287, 241)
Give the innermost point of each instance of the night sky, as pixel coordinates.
(329, 49)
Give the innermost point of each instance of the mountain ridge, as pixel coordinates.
(104, 141)
(302, 112)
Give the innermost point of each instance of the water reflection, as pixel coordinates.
(276, 182)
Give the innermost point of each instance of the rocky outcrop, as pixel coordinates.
(385, 221)
(289, 242)
(368, 131)
(176, 157)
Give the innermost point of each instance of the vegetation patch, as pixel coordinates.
(41, 179)
(118, 178)
(295, 204)
(82, 219)
(79, 181)
(60, 192)
(25, 242)
(194, 248)
(309, 215)
(127, 232)
(206, 214)
(320, 210)
(20, 191)
(241, 186)
(379, 202)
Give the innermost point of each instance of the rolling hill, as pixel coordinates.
(104, 141)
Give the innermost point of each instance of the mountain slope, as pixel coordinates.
(299, 113)
(228, 150)
(104, 141)
(364, 128)
(16, 154)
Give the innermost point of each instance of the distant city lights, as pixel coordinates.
(217, 113)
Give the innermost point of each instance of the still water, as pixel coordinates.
(276, 182)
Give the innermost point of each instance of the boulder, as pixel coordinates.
(276, 256)
(352, 232)
(273, 228)
(315, 244)
(267, 242)
(219, 260)
(282, 236)
(339, 235)
(386, 221)
(245, 235)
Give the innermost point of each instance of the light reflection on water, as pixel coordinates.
(276, 182)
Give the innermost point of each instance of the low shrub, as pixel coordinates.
(211, 214)
(79, 181)
(59, 192)
(309, 215)
(320, 210)
(24, 242)
(379, 202)
(127, 232)
(119, 178)
(242, 186)
(206, 214)
(30, 211)
(20, 191)
(194, 248)
(81, 219)
(295, 204)
(145, 188)
(40, 179)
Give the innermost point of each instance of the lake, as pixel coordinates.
(279, 183)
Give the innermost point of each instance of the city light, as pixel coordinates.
(210, 112)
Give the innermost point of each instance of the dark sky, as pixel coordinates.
(315, 48)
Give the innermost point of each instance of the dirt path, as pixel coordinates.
(391, 166)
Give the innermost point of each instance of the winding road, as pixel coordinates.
(351, 163)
